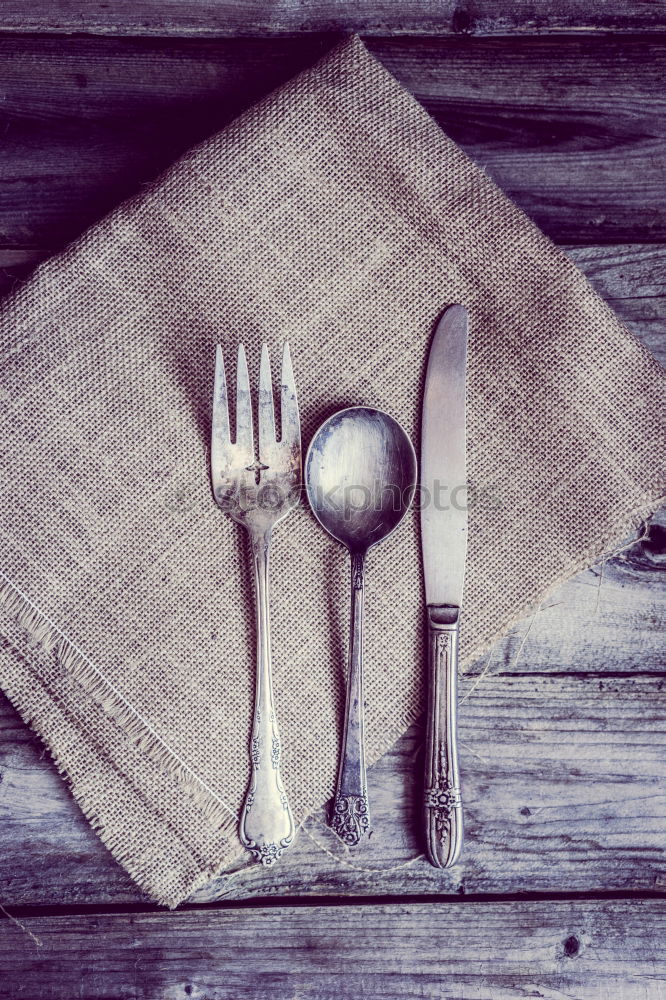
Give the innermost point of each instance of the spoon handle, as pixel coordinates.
(443, 813)
(349, 816)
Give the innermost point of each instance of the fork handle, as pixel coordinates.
(266, 824)
(350, 817)
(443, 815)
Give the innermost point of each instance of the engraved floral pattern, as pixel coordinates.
(275, 752)
(442, 799)
(350, 818)
(268, 854)
(443, 646)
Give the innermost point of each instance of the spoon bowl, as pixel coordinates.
(360, 473)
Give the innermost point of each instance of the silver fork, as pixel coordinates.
(257, 493)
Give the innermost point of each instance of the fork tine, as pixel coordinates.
(291, 428)
(220, 423)
(244, 436)
(266, 413)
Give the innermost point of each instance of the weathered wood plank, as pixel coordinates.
(592, 950)
(632, 279)
(562, 733)
(607, 620)
(571, 128)
(532, 116)
(248, 17)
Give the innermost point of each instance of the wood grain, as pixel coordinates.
(572, 129)
(563, 740)
(587, 950)
(248, 17)
(632, 279)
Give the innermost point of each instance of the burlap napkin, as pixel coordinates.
(336, 214)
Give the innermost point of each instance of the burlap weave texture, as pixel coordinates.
(336, 214)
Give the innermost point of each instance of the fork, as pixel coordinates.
(257, 493)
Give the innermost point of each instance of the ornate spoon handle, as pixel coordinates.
(349, 816)
(443, 813)
(266, 824)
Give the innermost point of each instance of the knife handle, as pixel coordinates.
(443, 815)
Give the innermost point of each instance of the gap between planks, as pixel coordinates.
(299, 902)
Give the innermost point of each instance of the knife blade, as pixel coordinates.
(444, 550)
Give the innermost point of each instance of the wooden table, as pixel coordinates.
(561, 889)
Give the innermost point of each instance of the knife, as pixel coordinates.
(444, 548)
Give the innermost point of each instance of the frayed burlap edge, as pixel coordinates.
(41, 640)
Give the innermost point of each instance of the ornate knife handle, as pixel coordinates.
(266, 824)
(350, 817)
(443, 815)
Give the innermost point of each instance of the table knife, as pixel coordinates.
(444, 548)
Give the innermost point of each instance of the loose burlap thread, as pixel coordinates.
(335, 214)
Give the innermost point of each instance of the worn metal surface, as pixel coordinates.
(360, 473)
(444, 503)
(258, 489)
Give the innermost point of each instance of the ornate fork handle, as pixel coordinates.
(443, 812)
(266, 825)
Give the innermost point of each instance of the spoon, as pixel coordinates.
(360, 473)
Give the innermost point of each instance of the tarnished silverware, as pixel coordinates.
(444, 549)
(257, 491)
(360, 472)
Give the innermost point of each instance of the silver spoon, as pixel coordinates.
(360, 473)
